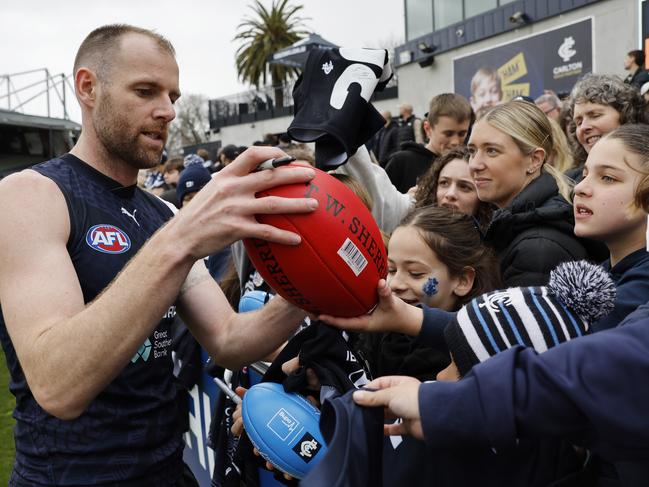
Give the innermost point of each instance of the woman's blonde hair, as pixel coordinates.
(562, 159)
(531, 129)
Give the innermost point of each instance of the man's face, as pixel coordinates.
(135, 102)
(628, 62)
(446, 134)
(552, 112)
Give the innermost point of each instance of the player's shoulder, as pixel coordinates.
(30, 193)
(26, 184)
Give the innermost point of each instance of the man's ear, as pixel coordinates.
(427, 127)
(465, 282)
(85, 83)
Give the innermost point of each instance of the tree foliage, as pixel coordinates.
(191, 123)
(262, 35)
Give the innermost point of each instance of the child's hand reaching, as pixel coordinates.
(390, 314)
(399, 395)
(237, 420)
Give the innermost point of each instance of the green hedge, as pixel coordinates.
(7, 404)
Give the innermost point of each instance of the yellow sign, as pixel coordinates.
(514, 90)
(513, 69)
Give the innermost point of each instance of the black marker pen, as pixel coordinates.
(277, 162)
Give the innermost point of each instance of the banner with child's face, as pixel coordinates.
(552, 60)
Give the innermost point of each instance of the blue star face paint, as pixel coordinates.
(430, 288)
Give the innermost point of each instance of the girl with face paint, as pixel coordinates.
(436, 258)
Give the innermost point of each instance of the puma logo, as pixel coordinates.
(132, 215)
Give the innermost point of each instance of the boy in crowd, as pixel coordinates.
(171, 174)
(446, 126)
(634, 64)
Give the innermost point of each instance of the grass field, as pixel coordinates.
(7, 404)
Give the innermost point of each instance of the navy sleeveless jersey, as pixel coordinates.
(129, 434)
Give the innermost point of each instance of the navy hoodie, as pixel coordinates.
(592, 391)
(631, 277)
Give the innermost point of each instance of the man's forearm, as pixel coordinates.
(252, 336)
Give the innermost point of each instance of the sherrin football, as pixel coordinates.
(335, 268)
(284, 427)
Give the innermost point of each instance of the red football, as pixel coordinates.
(337, 265)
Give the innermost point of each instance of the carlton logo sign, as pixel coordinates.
(566, 50)
(550, 60)
(108, 239)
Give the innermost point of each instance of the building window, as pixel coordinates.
(476, 7)
(446, 13)
(426, 16)
(419, 18)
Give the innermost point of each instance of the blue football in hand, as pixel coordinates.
(284, 427)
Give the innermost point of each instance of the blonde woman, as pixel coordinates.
(532, 230)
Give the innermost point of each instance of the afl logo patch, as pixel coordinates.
(108, 239)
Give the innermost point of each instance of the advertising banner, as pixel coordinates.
(551, 60)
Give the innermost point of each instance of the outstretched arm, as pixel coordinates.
(591, 390)
(390, 205)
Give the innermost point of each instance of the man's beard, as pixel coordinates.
(120, 140)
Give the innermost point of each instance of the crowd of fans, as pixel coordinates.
(480, 195)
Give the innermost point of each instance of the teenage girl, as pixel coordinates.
(449, 183)
(610, 205)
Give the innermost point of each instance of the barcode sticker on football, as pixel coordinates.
(353, 257)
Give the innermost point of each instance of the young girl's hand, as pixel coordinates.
(390, 314)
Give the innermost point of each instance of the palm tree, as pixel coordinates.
(263, 35)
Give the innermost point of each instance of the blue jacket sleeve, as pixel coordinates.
(432, 328)
(592, 390)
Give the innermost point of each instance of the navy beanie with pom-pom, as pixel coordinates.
(578, 294)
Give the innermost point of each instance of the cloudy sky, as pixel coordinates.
(46, 34)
